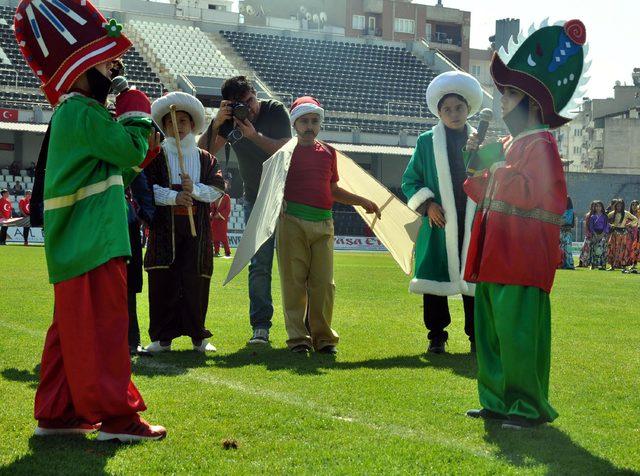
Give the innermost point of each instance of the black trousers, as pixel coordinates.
(179, 296)
(437, 317)
(134, 328)
(3, 234)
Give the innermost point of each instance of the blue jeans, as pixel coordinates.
(260, 302)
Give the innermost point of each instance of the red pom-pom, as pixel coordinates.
(576, 31)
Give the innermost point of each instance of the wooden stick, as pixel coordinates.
(176, 134)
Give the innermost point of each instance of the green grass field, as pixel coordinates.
(381, 407)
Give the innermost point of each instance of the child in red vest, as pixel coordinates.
(305, 233)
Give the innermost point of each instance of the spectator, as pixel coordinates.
(633, 245)
(254, 139)
(14, 168)
(25, 211)
(566, 236)
(620, 219)
(594, 250)
(31, 170)
(220, 211)
(5, 213)
(18, 189)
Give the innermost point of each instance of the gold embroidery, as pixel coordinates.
(535, 214)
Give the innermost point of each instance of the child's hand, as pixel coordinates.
(154, 140)
(187, 183)
(184, 199)
(370, 207)
(436, 215)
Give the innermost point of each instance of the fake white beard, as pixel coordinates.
(188, 144)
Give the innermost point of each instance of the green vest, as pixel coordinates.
(89, 162)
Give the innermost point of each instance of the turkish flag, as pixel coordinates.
(8, 115)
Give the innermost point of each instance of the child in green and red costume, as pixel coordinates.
(85, 377)
(514, 251)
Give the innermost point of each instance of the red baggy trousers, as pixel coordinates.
(86, 369)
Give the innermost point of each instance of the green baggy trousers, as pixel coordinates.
(513, 342)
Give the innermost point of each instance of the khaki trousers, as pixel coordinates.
(305, 260)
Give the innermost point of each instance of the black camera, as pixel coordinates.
(240, 111)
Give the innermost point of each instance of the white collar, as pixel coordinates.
(188, 145)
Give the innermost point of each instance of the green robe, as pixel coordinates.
(438, 266)
(91, 158)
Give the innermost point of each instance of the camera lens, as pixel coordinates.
(240, 111)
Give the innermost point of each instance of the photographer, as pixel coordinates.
(255, 129)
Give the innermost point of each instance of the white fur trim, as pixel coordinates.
(419, 198)
(184, 102)
(306, 108)
(454, 82)
(468, 289)
(456, 271)
(133, 114)
(439, 288)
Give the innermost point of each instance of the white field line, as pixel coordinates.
(321, 410)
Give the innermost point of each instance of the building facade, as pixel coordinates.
(445, 29)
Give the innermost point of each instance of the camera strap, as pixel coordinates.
(227, 153)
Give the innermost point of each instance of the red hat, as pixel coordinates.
(61, 39)
(305, 105)
(132, 103)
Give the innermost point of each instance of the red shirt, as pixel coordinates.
(514, 239)
(5, 208)
(312, 171)
(24, 206)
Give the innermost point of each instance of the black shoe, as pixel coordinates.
(519, 423)
(486, 415)
(472, 347)
(301, 349)
(437, 346)
(329, 349)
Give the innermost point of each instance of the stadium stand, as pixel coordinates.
(346, 77)
(15, 74)
(346, 124)
(14, 70)
(182, 50)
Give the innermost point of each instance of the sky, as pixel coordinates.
(613, 31)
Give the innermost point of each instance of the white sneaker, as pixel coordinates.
(155, 346)
(206, 346)
(260, 336)
(227, 257)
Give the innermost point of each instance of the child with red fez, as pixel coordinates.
(513, 252)
(85, 377)
(305, 233)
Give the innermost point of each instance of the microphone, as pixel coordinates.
(119, 84)
(486, 116)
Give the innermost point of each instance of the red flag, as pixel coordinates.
(8, 115)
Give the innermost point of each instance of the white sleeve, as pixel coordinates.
(164, 196)
(205, 193)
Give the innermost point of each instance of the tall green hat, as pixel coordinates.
(549, 65)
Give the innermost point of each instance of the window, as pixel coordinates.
(357, 22)
(475, 70)
(403, 25)
(372, 24)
